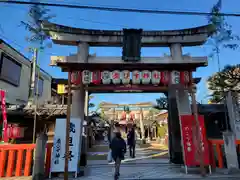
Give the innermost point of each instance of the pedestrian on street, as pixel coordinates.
(118, 147)
(131, 141)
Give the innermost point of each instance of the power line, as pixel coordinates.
(113, 9)
(80, 19)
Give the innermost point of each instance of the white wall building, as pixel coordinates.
(15, 75)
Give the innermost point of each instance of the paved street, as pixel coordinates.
(149, 164)
(144, 171)
(142, 153)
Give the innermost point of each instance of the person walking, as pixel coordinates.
(118, 147)
(131, 140)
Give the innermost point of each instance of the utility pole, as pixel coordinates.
(196, 132)
(33, 77)
(32, 95)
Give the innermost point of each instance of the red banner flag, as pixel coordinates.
(4, 114)
(189, 145)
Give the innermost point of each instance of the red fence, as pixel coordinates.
(17, 159)
(216, 146)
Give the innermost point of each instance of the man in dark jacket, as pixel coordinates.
(131, 140)
(118, 147)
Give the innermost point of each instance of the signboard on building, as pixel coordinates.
(61, 89)
(58, 154)
(189, 144)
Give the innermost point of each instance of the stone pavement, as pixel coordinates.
(151, 171)
(145, 171)
(141, 153)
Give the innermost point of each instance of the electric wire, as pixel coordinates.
(113, 9)
(80, 19)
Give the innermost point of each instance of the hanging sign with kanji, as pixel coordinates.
(59, 154)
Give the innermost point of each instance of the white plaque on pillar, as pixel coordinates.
(156, 77)
(106, 77)
(175, 77)
(58, 153)
(125, 76)
(146, 77)
(136, 77)
(86, 77)
(116, 77)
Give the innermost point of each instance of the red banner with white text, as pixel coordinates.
(4, 114)
(189, 141)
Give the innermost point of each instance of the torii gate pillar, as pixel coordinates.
(178, 104)
(78, 100)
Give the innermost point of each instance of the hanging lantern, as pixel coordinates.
(185, 77)
(86, 77)
(165, 77)
(106, 77)
(9, 131)
(175, 77)
(156, 77)
(96, 77)
(125, 76)
(116, 77)
(136, 77)
(124, 115)
(16, 132)
(146, 77)
(76, 77)
(132, 116)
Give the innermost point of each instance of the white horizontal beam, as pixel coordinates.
(118, 60)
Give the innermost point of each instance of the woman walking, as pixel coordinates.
(118, 147)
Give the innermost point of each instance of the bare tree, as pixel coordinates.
(223, 36)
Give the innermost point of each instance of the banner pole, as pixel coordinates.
(67, 128)
(196, 128)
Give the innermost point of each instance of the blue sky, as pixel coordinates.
(14, 34)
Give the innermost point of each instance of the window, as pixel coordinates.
(39, 84)
(10, 70)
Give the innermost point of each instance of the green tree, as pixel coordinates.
(226, 80)
(162, 103)
(38, 41)
(37, 37)
(223, 36)
(90, 105)
(152, 112)
(126, 109)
